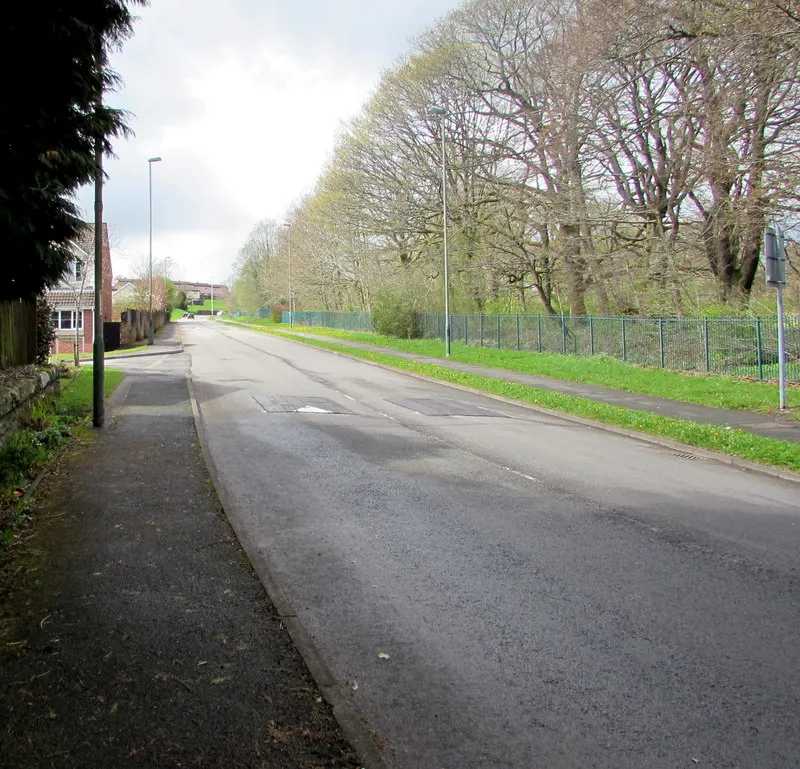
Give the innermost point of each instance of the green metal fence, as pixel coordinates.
(734, 346)
(347, 321)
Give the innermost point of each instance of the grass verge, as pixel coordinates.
(52, 423)
(736, 443)
(716, 391)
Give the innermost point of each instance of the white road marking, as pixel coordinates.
(521, 475)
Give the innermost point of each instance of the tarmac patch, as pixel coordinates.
(286, 404)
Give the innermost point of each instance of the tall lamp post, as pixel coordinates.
(289, 246)
(441, 113)
(150, 162)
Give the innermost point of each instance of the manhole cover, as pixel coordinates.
(444, 407)
(292, 404)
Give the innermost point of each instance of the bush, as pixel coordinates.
(45, 333)
(276, 314)
(395, 315)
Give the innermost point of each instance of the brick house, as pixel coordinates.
(72, 299)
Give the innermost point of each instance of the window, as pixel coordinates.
(78, 270)
(64, 320)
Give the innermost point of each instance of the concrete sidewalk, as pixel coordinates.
(134, 631)
(779, 428)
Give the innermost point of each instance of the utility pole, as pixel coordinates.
(98, 347)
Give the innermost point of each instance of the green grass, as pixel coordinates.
(737, 443)
(51, 424)
(219, 304)
(716, 391)
(75, 400)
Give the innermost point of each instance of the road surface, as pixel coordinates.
(495, 587)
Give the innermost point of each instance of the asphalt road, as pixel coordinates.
(548, 594)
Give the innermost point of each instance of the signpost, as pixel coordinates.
(775, 267)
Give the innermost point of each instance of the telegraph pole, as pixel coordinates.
(98, 347)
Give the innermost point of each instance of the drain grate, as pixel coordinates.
(444, 407)
(683, 455)
(293, 404)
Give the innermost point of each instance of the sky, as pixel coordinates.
(242, 100)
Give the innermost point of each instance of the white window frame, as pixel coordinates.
(58, 322)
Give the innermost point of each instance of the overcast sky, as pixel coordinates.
(243, 101)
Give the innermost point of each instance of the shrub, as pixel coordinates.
(276, 315)
(45, 333)
(394, 314)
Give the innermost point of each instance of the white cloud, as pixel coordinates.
(243, 105)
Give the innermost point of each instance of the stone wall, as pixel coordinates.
(20, 388)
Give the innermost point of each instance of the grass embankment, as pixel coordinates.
(218, 304)
(52, 423)
(737, 443)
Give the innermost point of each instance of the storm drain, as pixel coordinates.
(289, 404)
(444, 407)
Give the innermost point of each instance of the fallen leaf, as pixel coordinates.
(383, 656)
(219, 680)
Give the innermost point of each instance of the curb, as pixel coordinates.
(345, 714)
(123, 356)
(726, 459)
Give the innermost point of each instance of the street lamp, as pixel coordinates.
(442, 113)
(150, 162)
(289, 244)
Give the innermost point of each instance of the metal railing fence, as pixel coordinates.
(745, 347)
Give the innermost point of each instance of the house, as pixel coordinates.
(72, 299)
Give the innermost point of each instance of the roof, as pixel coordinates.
(85, 239)
(66, 299)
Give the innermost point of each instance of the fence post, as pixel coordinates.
(624, 341)
(480, 317)
(518, 344)
(707, 343)
(661, 349)
(539, 331)
(466, 330)
(498, 332)
(591, 334)
(563, 335)
(760, 354)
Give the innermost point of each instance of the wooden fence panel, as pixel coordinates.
(17, 333)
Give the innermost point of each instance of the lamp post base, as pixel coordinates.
(150, 334)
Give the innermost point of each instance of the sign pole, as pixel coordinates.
(775, 267)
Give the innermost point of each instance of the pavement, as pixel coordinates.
(769, 426)
(133, 630)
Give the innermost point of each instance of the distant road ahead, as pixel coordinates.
(549, 595)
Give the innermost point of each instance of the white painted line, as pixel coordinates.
(312, 410)
(522, 475)
(349, 398)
